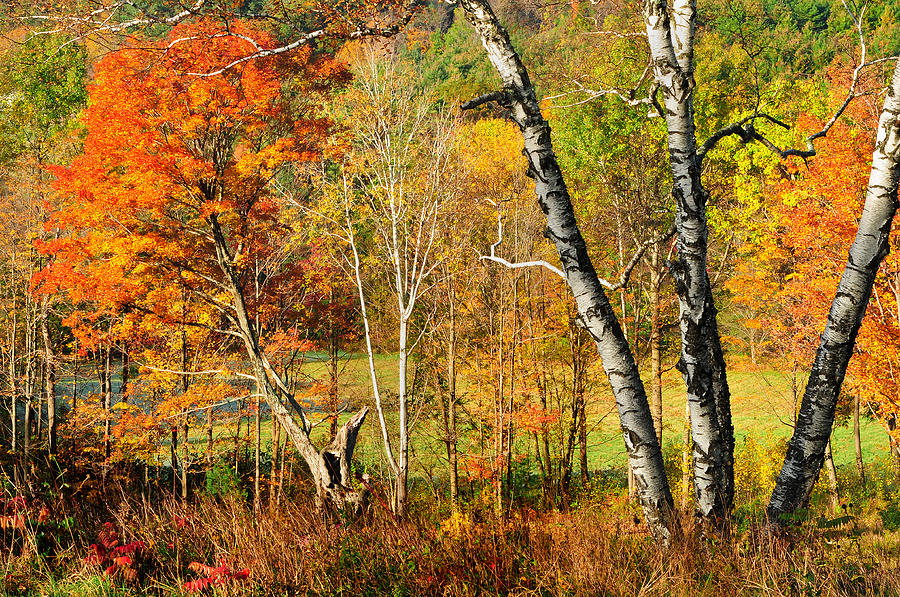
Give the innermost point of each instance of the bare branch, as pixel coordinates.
(493, 256)
(635, 259)
(745, 130)
(501, 97)
(629, 96)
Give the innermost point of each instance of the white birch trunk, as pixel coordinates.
(671, 48)
(594, 307)
(812, 431)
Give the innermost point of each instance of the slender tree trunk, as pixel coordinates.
(806, 450)
(29, 380)
(893, 448)
(594, 307)
(582, 440)
(173, 454)
(450, 411)
(857, 442)
(655, 356)
(237, 436)
(185, 459)
(281, 471)
(123, 387)
(686, 459)
(13, 388)
(106, 373)
(273, 473)
(75, 379)
(832, 479)
(258, 449)
(49, 374)
(209, 438)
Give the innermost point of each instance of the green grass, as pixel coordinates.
(762, 405)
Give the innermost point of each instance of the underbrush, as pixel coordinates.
(221, 547)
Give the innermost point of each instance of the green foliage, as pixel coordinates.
(452, 65)
(890, 517)
(43, 84)
(222, 481)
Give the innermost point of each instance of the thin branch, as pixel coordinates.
(493, 256)
(745, 130)
(635, 259)
(188, 373)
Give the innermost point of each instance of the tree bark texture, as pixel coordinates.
(594, 307)
(671, 47)
(806, 450)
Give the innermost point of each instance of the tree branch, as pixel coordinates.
(635, 259)
(493, 256)
(501, 97)
(745, 130)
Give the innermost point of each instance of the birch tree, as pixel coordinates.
(806, 450)
(403, 155)
(519, 98)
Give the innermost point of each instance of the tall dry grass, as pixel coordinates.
(601, 549)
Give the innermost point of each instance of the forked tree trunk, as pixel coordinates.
(806, 450)
(330, 467)
(594, 307)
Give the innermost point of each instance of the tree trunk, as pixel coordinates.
(49, 374)
(594, 307)
(256, 455)
(29, 381)
(273, 472)
(13, 388)
(655, 356)
(582, 441)
(893, 448)
(123, 387)
(106, 385)
(832, 479)
(857, 442)
(173, 454)
(185, 460)
(686, 459)
(671, 48)
(209, 438)
(806, 450)
(330, 468)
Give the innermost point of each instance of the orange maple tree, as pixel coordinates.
(171, 200)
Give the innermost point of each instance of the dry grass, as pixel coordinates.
(600, 549)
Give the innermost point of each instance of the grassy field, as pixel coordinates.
(762, 404)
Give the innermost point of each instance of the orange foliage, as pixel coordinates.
(790, 273)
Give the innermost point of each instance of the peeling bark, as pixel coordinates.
(702, 366)
(806, 450)
(594, 308)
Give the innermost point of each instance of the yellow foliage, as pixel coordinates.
(458, 525)
(756, 465)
